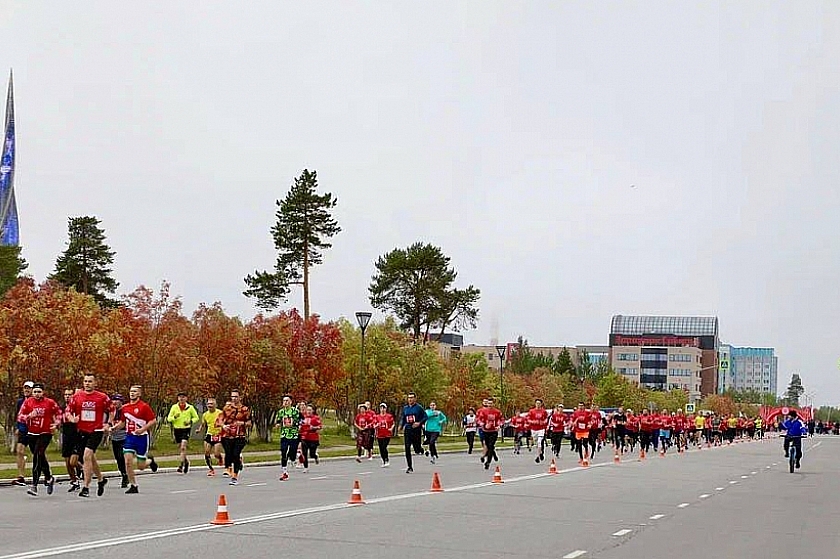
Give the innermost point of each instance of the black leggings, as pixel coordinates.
(383, 448)
(556, 442)
(411, 440)
(581, 445)
(233, 452)
(38, 445)
(470, 441)
(490, 438)
(117, 448)
(309, 450)
(432, 438)
(288, 450)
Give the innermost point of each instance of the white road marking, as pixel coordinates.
(732, 482)
(364, 473)
(753, 473)
(719, 488)
(768, 467)
(319, 477)
(183, 491)
(574, 554)
(704, 496)
(682, 505)
(657, 516)
(622, 532)
(256, 484)
(744, 477)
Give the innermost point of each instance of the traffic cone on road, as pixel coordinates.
(356, 495)
(617, 458)
(552, 468)
(497, 475)
(222, 517)
(436, 487)
(586, 459)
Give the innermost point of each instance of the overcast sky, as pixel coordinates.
(576, 160)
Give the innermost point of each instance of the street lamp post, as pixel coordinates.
(363, 318)
(500, 349)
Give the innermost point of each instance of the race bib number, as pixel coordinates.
(215, 438)
(287, 422)
(581, 426)
(409, 419)
(89, 415)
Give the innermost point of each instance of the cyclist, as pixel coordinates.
(794, 429)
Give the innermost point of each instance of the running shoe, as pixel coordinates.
(211, 473)
(132, 490)
(386, 465)
(370, 457)
(305, 470)
(74, 486)
(409, 470)
(50, 485)
(226, 473)
(284, 477)
(359, 459)
(233, 481)
(152, 464)
(84, 492)
(181, 468)
(33, 490)
(124, 482)
(100, 487)
(426, 453)
(186, 466)
(317, 459)
(383, 465)
(432, 460)
(487, 465)
(20, 482)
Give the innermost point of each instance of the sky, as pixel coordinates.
(576, 160)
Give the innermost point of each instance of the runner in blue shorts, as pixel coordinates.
(139, 418)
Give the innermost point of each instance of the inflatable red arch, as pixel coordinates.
(769, 413)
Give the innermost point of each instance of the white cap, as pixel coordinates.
(28, 384)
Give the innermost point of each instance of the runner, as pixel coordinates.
(581, 423)
(41, 415)
(620, 430)
(595, 426)
(138, 419)
(490, 419)
(371, 429)
(665, 429)
(538, 422)
(182, 416)
(92, 409)
(699, 429)
(118, 435)
(633, 426)
(384, 429)
(21, 441)
(519, 423)
(235, 421)
(646, 430)
(69, 442)
(411, 423)
(556, 429)
(288, 418)
(310, 438)
(364, 443)
(212, 437)
(470, 428)
(435, 420)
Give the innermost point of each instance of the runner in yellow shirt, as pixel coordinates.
(182, 416)
(212, 437)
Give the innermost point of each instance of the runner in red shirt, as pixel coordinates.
(556, 429)
(364, 442)
(632, 429)
(595, 421)
(647, 430)
(490, 420)
(581, 423)
(538, 422)
(41, 416)
(384, 423)
(310, 438)
(91, 410)
(138, 418)
(520, 430)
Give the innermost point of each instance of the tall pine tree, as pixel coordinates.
(86, 264)
(304, 223)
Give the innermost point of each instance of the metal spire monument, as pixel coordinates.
(9, 232)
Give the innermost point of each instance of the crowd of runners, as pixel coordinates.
(87, 416)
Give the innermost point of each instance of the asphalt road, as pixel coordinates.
(736, 501)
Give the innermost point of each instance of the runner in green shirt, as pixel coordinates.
(288, 418)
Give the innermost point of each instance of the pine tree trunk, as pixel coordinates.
(306, 283)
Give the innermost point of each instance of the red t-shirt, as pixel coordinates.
(580, 421)
(647, 423)
(39, 415)
(633, 423)
(309, 428)
(679, 423)
(538, 419)
(519, 423)
(657, 421)
(489, 419)
(91, 409)
(594, 420)
(363, 421)
(384, 425)
(557, 421)
(136, 414)
(667, 422)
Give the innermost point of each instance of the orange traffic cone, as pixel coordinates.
(436, 487)
(222, 513)
(497, 475)
(642, 454)
(356, 495)
(586, 459)
(552, 468)
(617, 458)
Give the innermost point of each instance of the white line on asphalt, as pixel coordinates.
(719, 488)
(768, 467)
(682, 505)
(704, 496)
(657, 516)
(574, 554)
(776, 464)
(183, 491)
(319, 477)
(623, 532)
(753, 473)
(364, 473)
(744, 477)
(732, 482)
(256, 484)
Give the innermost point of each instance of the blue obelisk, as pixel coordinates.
(9, 232)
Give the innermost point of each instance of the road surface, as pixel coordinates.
(736, 501)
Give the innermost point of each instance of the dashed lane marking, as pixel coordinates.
(704, 496)
(575, 554)
(657, 516)
(682, 505)
(623, 532)
(183, 491)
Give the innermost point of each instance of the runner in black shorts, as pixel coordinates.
(70, 443)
